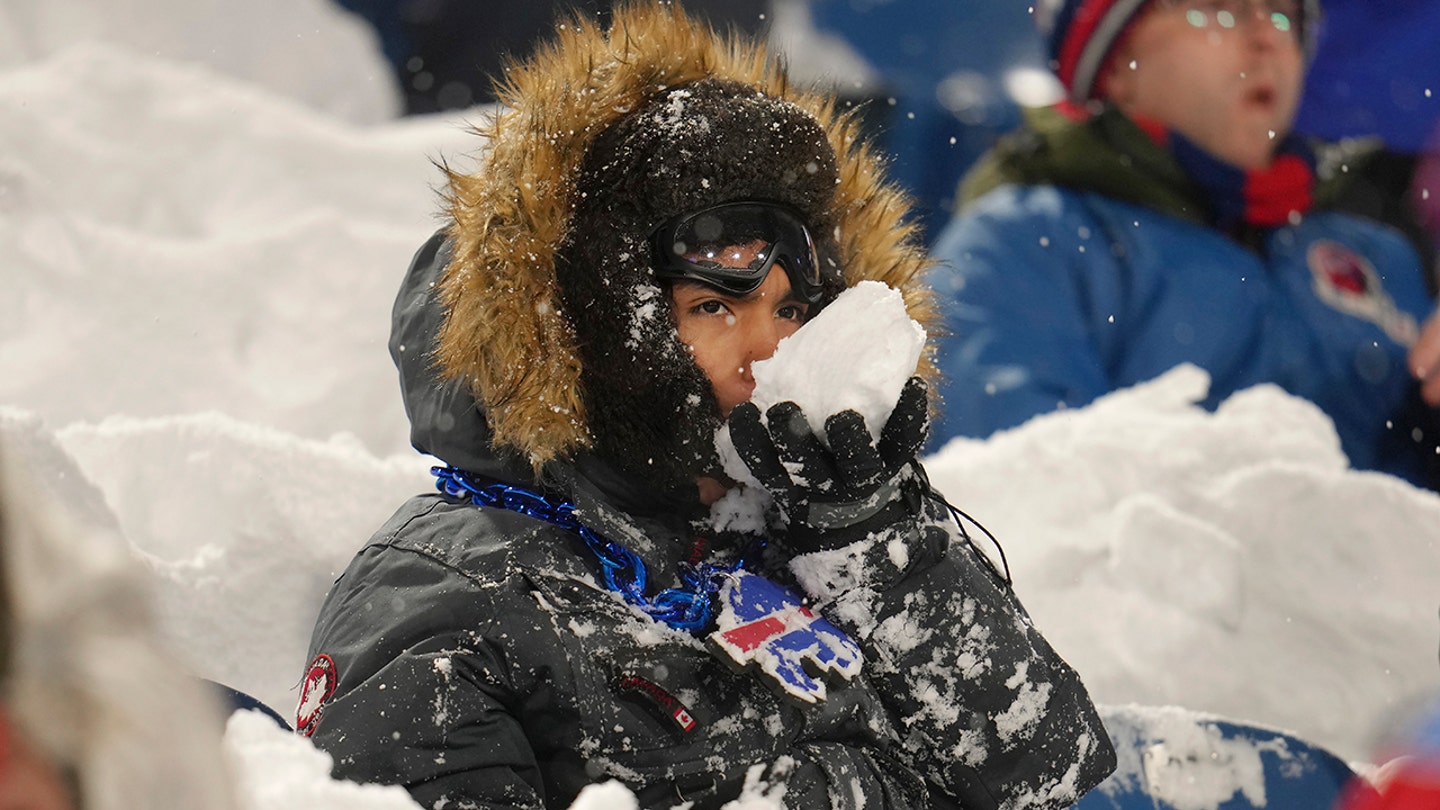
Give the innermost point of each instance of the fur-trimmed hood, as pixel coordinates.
(507, 334)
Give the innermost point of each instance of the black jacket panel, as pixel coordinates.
(480, 661)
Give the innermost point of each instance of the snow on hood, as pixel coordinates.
(506, 332)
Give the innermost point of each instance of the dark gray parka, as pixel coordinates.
(480, 662)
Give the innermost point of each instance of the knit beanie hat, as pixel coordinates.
(652, 411)
(1079, 35)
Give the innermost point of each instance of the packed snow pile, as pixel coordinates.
(245, 527)
(143, 199)
(277, 770)
(1228, 563)
(198, 276)
(311, 51)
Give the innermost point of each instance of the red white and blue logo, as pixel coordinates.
(768, 626)
(1347, 281)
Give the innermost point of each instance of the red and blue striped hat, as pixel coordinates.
(1081, 33)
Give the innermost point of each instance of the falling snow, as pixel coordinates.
(245, 433)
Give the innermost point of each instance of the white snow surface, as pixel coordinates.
(311, 51)
(1228, 562)
(197, 275)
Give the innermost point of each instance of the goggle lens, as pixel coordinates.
(733, 247)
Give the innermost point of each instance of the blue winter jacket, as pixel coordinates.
(1055, 296)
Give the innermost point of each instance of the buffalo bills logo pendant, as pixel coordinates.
(767, 626)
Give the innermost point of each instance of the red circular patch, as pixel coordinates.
(320, 682)
(1342, 268)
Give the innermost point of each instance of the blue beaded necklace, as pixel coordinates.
(690, 607)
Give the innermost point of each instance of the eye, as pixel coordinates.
(710, 306)
(792, 312)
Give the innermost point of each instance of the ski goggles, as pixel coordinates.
(732, 247)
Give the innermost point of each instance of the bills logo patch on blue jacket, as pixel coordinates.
(768, 626)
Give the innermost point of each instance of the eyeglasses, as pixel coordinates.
(1283, 15)
(733, 246)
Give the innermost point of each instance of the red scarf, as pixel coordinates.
(1278, 194)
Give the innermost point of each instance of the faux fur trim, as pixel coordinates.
(505, 333)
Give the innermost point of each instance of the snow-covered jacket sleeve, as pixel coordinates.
(993, 717)
(1020, 278)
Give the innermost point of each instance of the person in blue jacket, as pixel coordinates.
(1164, 213)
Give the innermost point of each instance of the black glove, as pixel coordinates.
(834, 497)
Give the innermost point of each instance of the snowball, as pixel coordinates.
(857, 354)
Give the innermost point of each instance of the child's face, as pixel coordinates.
(1228, 80)
(726, 334)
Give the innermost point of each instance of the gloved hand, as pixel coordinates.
(836, 496)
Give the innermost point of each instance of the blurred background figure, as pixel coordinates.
(1377, 75)
(940, 81)
(94, 713)
(1167, 212)
(944, 80)
(445, 52)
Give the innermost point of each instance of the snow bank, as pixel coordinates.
(177, 242)
(245, 528)
(309, 50)
(1229, 562)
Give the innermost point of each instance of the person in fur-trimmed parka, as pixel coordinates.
(655, 211)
